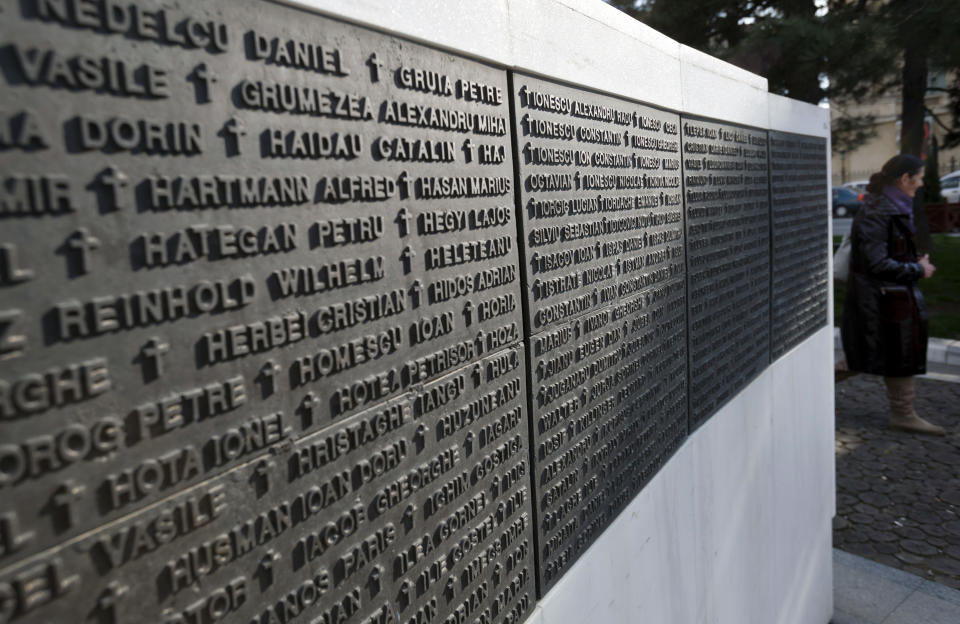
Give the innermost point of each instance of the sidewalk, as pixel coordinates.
(897, 528)
(870, 593)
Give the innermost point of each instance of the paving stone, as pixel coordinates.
(897, 490)
(945, 565)
(860, 518)
(879, 536)
(852, 536)
(845, 500)
(886, 549)
(901, 497)
(853, 485)
(933, 530)
(910, 558)
(875, 499)
(951, 497)
(925, 516)
(952, 550)
(953, 527)
(909, 532)
(919, 548)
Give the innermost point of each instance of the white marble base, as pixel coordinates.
(736, 528)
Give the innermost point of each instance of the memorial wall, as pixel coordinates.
(301, 321)
(602, 226)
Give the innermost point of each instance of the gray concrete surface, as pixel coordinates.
(866, 592)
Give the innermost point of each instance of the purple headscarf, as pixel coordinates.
(903, 203)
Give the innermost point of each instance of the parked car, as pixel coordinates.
(857, 186)
(845, 202)
(950, 187)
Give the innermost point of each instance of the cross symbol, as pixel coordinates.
(467, 309)
(415, 289)
(236, 128)
(375, 575)
(422, 430)
(115, 180)
(403, 216)
(266, 564)
(269, 371)
(155, 349)
(64, 496)
(264, 466)
(109, 598)
(407, 256)
(375, 66)
(468, 149)
(309, 403)
(82, 242)
(406, 181)
(479, 341)
(207, 76)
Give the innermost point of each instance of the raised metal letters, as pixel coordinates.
(728, 264)
(274, 346)
(602, 218)
(800, 210)
(266, 358)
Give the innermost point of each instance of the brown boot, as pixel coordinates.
(901, 394)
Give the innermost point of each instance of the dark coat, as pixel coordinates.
(884, 326)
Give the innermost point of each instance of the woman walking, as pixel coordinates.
(884, 326)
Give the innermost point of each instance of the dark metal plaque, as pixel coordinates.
(801, 211)
(603, 262)
(229, 228)
(728, 260)
(597, 176)
(416, 509)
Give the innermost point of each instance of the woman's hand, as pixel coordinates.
(928, 268)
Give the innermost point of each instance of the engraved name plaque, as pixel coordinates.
(800, 209)
(728, 264)
(603, 261)
(261, 352)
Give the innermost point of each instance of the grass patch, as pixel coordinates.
(941, 292)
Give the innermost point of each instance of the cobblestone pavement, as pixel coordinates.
(898, 494)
